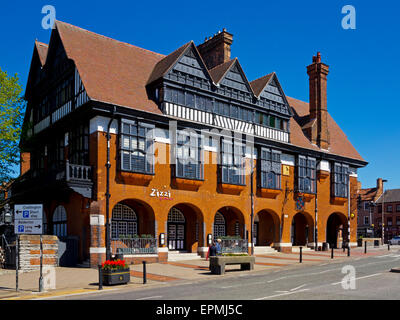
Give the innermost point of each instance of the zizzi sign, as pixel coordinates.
(162, 195)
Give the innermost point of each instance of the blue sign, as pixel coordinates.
(20, 228)
(25, 214)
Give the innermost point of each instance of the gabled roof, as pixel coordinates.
(42, 51)
(259, 84)
(111, 71)
(369, 194)
(117, 73)
(218, 72)
(167, 63)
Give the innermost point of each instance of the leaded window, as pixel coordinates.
(306, 174)
(123, 221)
(136, 151)
(79, 144)
(270, 169)
(219, 226)
(60, 222)
(340, 180)
(232, 162)
(189, 153)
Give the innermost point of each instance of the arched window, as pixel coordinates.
(123, 221)
(219, 226)
(175, 215)
(60, 222)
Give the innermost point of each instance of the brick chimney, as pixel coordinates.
(317, 72)
(217, 49)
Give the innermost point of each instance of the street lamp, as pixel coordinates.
(383, 212)
(371, 205)
(7, 214)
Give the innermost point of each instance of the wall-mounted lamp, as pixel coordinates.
(209, 239)
(162, 239)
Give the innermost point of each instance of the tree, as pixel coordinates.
(12, 107)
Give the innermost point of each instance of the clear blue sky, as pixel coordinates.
(280, 36)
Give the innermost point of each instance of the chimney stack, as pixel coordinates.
(317, 72)
(217, 49)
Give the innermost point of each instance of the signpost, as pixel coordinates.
(28, 219)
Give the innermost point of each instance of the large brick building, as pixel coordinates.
(176, 168)
(367, 198)
(388, 204)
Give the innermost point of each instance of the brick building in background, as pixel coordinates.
(366, 209)
(83, 86)
(389, 201)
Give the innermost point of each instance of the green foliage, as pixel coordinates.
(11, 117)
(234, 254)
(230, 238)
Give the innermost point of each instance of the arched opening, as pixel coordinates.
(184, 228)
(124, 222)
(132, 217)
(234, 222)
(219, 226)
(336, 230)
(59, 222)
(266, 228)
(302, 229)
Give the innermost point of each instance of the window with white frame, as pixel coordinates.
(270, 168)
(136, 147)
(340, 181)
(189, 155)
(232, 162)
(306, 174)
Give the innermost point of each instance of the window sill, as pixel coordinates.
(306, 196)
(234, 189)
(186, 184)
(338, 200)
(126, 177)
(269, 193)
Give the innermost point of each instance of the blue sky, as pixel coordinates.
(280, 36)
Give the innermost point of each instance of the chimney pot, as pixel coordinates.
(217, 49)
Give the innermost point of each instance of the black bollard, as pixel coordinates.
(332, 253)
(100, 278)
(388, 246)
(365, 246)
(144, 272)
(348, 250)
(301, 254)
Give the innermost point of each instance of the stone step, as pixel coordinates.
(263, 250)
(84, 264)
(178, 256)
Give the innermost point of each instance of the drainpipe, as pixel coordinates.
(252, 201)
(348, 211)
(108, 165)
(316, 211)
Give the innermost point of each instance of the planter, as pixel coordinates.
(114, 277)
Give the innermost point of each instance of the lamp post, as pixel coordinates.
(7, 214)
(383, 212)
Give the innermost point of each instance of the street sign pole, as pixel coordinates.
(41, 266)
(16, 262)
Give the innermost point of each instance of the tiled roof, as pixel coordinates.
(42, 51)
(392, 195)
(259, 84)
(369, 194)
(117, 73)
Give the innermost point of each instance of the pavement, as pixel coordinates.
(78, 281)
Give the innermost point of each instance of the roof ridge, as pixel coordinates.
(263, 76)
(108, 38)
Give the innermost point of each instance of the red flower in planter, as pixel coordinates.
(114, 265)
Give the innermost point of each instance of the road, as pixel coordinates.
(356, 278)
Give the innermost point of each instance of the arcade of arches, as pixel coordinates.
(186, 230)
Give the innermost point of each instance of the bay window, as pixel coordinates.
(269, 169)
(306, 170)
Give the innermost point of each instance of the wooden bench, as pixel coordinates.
(218, 263)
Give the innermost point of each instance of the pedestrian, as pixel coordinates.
(219, 247)
(212, 251)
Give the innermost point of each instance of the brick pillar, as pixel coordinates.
(97, 248)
